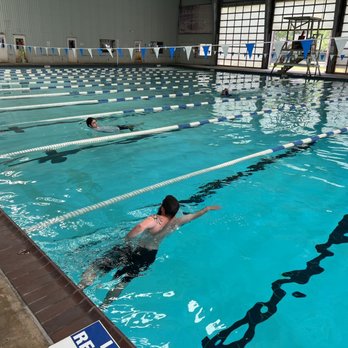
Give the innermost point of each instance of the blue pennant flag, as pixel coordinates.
(81, 51)
(250, 48)
(206, 50)
(342, 56)
(322, 56)
(306, 45)
(29, 49)
(66, 50)
(143, 52)
(120, 52)
(52, 50)
(100, 51)
(171, 52)
(41, 50)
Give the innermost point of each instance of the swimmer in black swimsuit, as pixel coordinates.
(140, 248)
(92, 123)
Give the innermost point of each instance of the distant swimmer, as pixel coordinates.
(225, 92)
(92, 123)
(140, 247)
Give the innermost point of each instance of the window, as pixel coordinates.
(244, 24)
(342, 64)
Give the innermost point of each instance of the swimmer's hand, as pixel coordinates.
(212, 207)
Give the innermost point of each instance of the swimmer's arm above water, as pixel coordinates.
(189, 217)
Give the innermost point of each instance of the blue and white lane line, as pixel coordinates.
(100, 79)
(155, 109)
(84, 210)
(94, 72)
(166, 129)
(104, 91)
(125, 90)
(99, 101)
(119, 82)
(73, 84)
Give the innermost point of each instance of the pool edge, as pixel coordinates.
(57, 305)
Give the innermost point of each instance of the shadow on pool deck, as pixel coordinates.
(39, 304)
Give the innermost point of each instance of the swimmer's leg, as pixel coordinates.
(113, 294)
(88, 277)
(126, 126)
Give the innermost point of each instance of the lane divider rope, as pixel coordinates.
(147, 132)
(177, 179)
(99, 101)
(104, 91)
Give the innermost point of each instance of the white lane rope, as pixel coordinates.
(159, 130)
(177, 179)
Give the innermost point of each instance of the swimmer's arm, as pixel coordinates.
(189, 217)
(149, 222)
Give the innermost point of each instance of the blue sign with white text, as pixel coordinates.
(94, 336)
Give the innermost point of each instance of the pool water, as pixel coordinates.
(251, 273)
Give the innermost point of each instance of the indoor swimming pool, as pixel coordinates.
(267, 270)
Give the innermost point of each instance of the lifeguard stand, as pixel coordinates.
(291, 53)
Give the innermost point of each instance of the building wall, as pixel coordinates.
(48, 23)
(187, 39)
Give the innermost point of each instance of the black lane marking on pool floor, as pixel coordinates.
(211, 187)
(262, 311)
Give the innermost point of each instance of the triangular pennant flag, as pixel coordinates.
(74, 51)
(322, 56)
(332, 56)
(250, 48)
(278, 47)
(225, 50)
(100, 51)
(41, 49)
(171, 52)
(35, 49)
(131, 49)
(342, 56)
(120, 52)
(90, 52)
(340, 43)
(66, 50)
(52, 50)
(46, 48)
(143, 52)
(206, 50)
(110, 51)
(188, 51)
(156, 50)
(306, 45)
(58, 50)
(81, 51)
(29, 48)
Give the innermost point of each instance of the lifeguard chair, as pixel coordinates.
(291, 54)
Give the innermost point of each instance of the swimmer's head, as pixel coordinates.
(170, 206)
(91, 122)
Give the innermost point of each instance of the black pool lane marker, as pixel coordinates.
(262, 311)
(211, 187)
